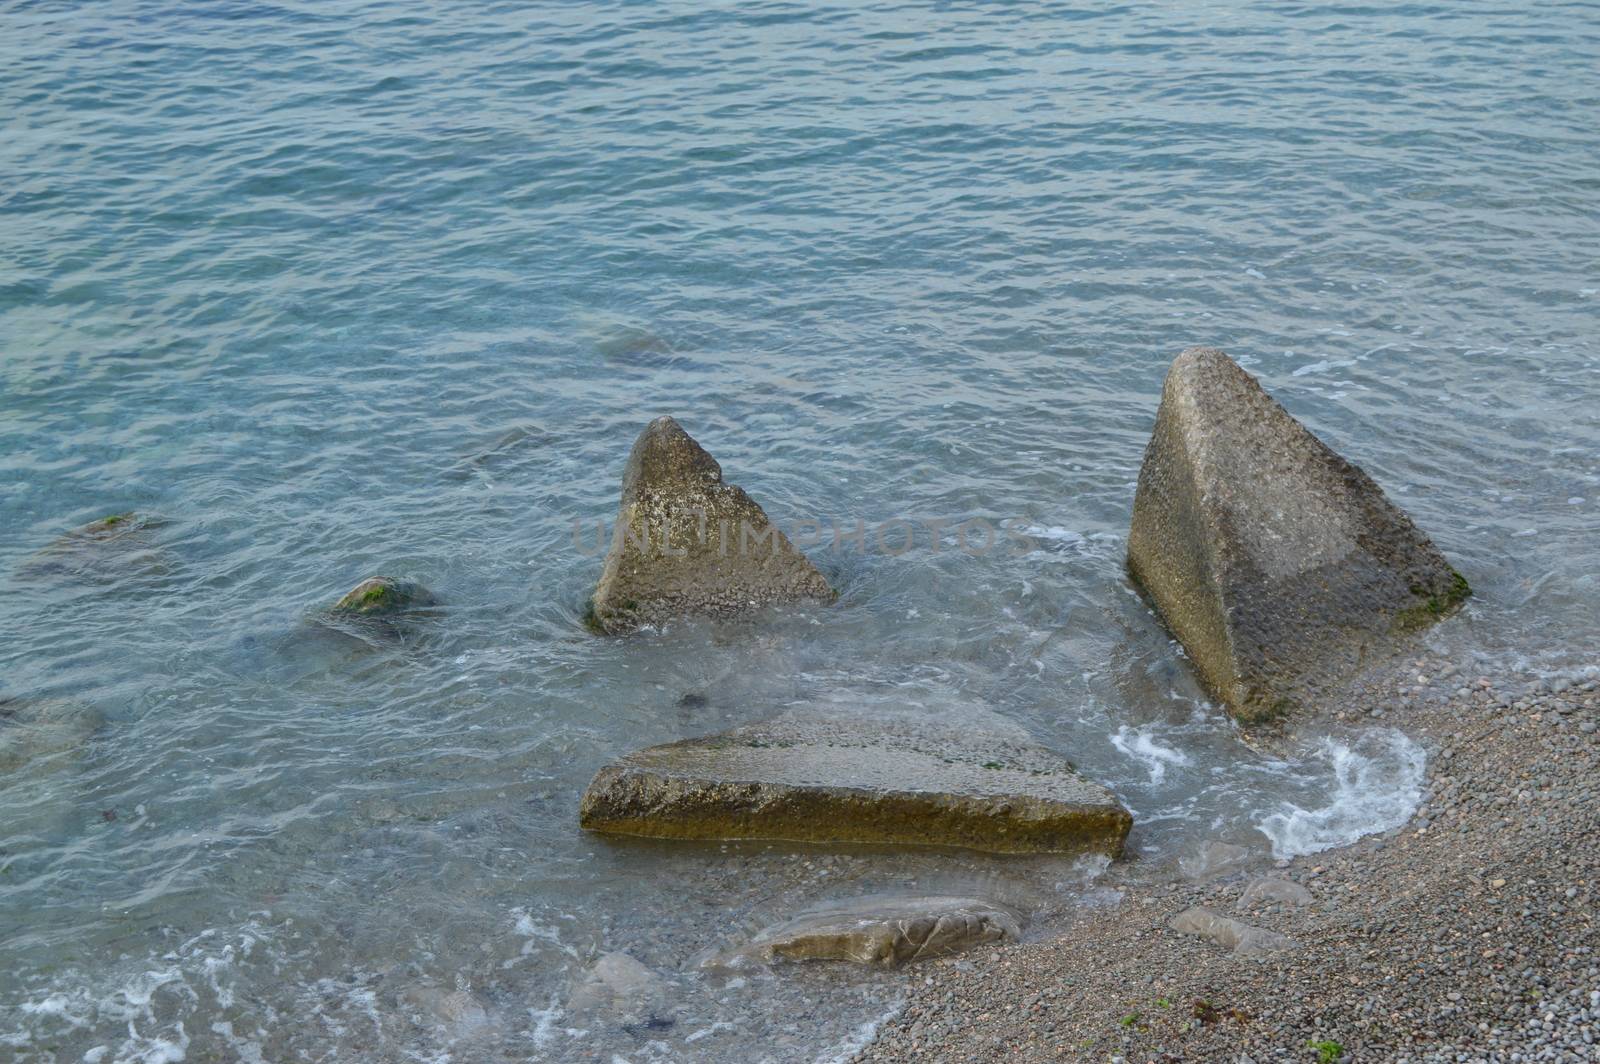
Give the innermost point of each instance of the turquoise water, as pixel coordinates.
(337, 289)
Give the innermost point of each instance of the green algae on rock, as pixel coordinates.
(1279, 565)
(109, 547)
(835, 775)
(886, 932)
(382, 596)
(688, 543)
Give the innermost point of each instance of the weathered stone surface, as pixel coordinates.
(382, 596)
(1279, 565)
(688, 543)
(1273, 891)
(41, 731)
(1245, 940)
(833, 775)
(886, 931)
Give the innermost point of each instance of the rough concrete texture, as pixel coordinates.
(687, 543)
(887, 931)
(1279, 565)
(833, 775)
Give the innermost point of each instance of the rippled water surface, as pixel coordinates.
(336, 289)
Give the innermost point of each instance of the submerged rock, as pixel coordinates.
(1273, 891)
(382, 596)
(619, 984)
(1245, 940)
(37, 731)
(1212, 858)
(630, 342)
(515, 446)
(688, 543)
(1277, 564)
(107, 548)
(833, 775)
(460, 1012)
(886, 932)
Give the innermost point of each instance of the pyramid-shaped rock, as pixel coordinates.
(830, 774)
(687, 543)
(1279, 565)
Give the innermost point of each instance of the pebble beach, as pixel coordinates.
(1468, 934)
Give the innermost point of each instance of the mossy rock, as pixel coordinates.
(382, 596)
(1431, 604)
(115, 545)
(1281, 567)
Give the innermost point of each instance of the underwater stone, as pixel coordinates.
(620, 984)
(38, 730)
(1245, 940)
(460, 1012)
(886, 932)
(834, 775)
(1278, 565)
(117, 545)
(515, 446)
(1213, 857)
(688, 543)
(380, 596)
(1270, 891)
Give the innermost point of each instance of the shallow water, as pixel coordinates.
(338, 289)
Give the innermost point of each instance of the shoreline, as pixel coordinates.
(1468, 934)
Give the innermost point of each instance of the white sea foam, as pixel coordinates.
(1140, 744)
(1377, 785)
(858, 1039)
(544, 1022)
(1323, 366)
(1056, 534)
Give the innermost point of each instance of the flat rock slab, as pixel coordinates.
(688, 543)
(886, 931)
(835, 775)
(1279, 565)
(1245, 940)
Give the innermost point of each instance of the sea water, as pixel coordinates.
(338, 289)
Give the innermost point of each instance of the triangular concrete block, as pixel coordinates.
(688, 543)
(1279, 565)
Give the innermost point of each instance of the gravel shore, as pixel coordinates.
(1467, 935)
